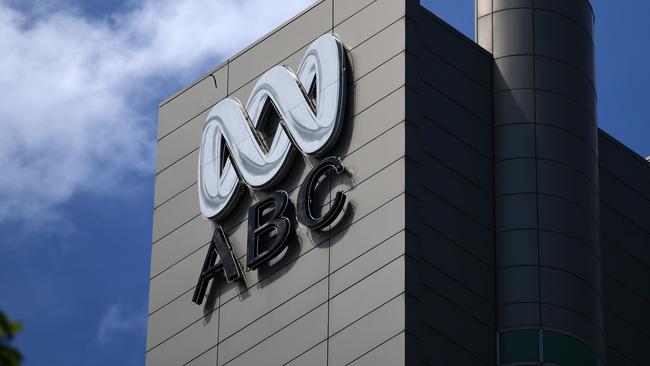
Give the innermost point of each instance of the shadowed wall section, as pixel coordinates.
(546, 167)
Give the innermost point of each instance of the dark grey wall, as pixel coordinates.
(546, 165)
(449, 189)
(625, 227)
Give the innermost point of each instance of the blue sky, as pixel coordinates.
(79, 87)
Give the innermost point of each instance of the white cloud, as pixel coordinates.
(118, 320)
(77, 94)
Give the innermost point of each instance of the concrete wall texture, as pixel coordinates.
(487, 212)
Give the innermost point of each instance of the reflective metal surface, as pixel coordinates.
(311, 125)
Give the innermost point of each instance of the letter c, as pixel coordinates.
(305, 216)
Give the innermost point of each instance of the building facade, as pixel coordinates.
(487, 220)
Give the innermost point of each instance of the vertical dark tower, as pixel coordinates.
(546, 177)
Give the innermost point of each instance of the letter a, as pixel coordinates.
(219, 247)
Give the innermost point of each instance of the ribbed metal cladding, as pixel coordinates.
(546, 165)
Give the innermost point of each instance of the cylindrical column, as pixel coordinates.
(546, 172)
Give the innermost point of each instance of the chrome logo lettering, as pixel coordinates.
(232, 150)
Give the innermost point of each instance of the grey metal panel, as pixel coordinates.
(620, 230)
(366, 295)
(179, 244)
(432, 117)
(615, 357)
(451, 223)
(524, 182)
(180, 142)
(288, 343)
(626, 268)
(316, 356)
(458, 286)
(378, 118)
(444, 181)
(517, 248)
(175, 281)
(517, 284)
(559, 145)
(192, 101)
(562, 181)
(439, 253)
(508, 4)
(366, 264)
(628, 341)
(364, 57)
(246, 337)
(513, 72)
(386, 78)
(561, 78)
(562, 252)
(578, 11)
(176, 316)
(516, 211)
(561, 216)
(174, 213)
(554, 317)
(623, 163)
(558, 285)
(291, 37)
(454, 84)
(386, 221)
(514, 141)
(367, 332)
(519, 315)
(175, 178)
(557, 110)
(377, 49)
(430, 34)
(455, 154)
(392, 352)
(369, 21)
(483, 8)
(457, 325)
(618, 193)
(186, 345)
(514, 106)
(208, 358)
(484, 26)
(625, 303)
(449, 184)
(559, 37)
(272, 291)
(343, 9)
(512, 32)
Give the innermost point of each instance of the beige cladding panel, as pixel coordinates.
(190, 102)
(332, 297)
(176, 178)
(188, 345)
(392, 352)
(279, 44)
(368, 332)
(343, 9)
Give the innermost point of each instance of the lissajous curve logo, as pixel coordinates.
(311, 106)
(311, 127)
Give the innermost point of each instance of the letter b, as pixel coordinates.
(262, 244)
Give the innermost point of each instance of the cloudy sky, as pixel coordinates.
(80, 82)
